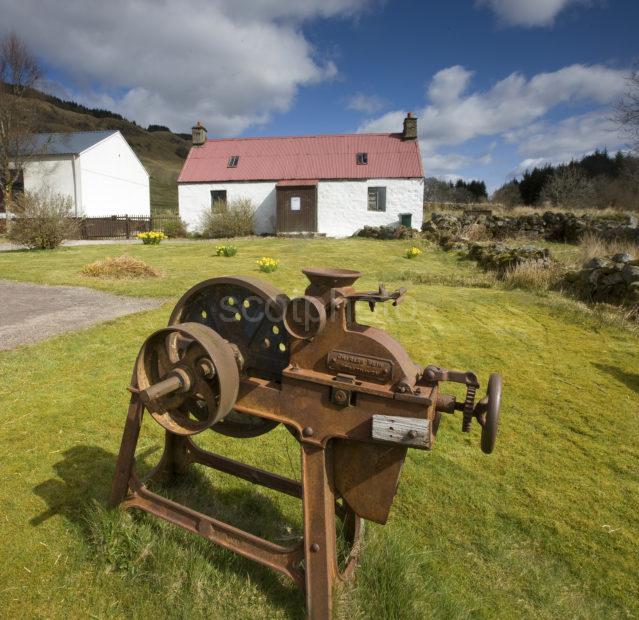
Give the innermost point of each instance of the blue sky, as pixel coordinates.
(498, 85)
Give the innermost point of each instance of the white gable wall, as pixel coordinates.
(55, 173)
(195, 198)
(342, 206)
(113, 181)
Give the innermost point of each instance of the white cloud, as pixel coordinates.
(528, 13)
(448, 84)
(568, 139)
(229, 64)
(369, 104)
(512, 110)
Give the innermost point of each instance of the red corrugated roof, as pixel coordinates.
(303, 157)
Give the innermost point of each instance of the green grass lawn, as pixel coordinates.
(546, 527)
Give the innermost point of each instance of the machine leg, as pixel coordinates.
(319, 531)
(175, 459)
(126, 456)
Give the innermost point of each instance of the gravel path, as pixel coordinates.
(32, 312)
(10, 247)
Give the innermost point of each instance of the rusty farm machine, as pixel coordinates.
(239, 357)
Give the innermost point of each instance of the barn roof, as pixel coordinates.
(303, 157)
(72, 143)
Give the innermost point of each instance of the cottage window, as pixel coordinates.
(377, 199)
(218, 199)
(362, 159)
(233, 159)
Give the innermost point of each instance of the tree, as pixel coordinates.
(19, 71)
(508, 194)
(568, 187)
(532, 183)
(436, 190)
(627, 111)
(478, 190)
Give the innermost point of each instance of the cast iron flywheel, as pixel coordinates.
(249, 313)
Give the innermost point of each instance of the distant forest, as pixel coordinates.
(598, 180)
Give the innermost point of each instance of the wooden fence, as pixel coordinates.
(122, 226)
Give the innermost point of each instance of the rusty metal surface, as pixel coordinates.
(250, 359)
(367, 475)
(199, 375)
(249, 313)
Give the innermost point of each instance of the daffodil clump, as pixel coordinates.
(225, 250)
(153, 237)
(412, 252)
(267, 264)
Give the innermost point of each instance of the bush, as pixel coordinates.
(593, 246)
(413, 252)
(232, 219)
(119, 267)
(533, 276)
(152, 237)
(267, 264)
(174, 229)
(43, 220)
(225, 250)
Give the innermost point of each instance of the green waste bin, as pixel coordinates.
(406, 219)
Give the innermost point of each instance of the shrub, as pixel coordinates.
(152, 237)
(413, 252)
(174, 229)
(533, 276)
(232, 219)
(43, 220)
(225, 250)
(267, 264)
(119, 267)
(594, 246)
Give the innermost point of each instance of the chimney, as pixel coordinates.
(410, 127)
(198, 134)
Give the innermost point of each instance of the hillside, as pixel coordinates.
(161, 152)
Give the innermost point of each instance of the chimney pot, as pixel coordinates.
(198, 134)
(410, 127)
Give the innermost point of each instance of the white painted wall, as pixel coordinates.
(343, 205)
(108, 179)
(54, 173)
(195, 198)
(113, 181)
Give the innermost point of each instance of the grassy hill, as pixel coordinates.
(161, 152)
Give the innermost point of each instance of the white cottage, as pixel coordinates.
(333, 184)
(98, 170)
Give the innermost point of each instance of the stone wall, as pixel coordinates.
(499, 257)
(551, 226)
(613, 279)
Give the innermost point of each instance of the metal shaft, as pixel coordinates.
(173, 383)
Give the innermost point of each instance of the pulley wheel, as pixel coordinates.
(489, 418)
(188, 378)
(249, 313)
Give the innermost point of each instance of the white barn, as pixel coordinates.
(331, 184)
(98, 170)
